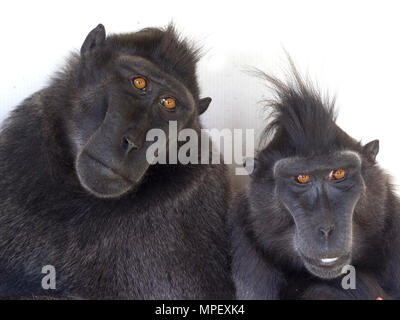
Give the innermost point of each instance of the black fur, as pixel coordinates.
(163, 239)
(267, 225)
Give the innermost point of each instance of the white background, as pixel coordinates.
(351, 48)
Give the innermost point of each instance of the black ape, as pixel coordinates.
(317, 202)
(78, 193)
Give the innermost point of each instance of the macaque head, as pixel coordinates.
(321, 193)
(308, 182)
(129, 84)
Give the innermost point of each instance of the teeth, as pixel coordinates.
(329, 260)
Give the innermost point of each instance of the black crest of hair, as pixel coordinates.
(291, 237)
(77, 192)
(301, 118)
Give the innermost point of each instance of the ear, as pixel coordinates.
(371, 149)
(203, 104)
(94, 39)
(250, 164)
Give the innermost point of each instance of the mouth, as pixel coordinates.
(327, 267)
(100, 179)
(329, 261)
(109, 169)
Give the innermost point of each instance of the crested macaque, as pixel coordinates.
(78, 193)
(317, 203)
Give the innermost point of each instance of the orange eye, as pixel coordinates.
(337, 174)
(139, 83)
(303, 178)
(169, 103)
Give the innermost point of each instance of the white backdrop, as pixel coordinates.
(351, 48)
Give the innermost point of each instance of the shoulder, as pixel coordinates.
(239, 210)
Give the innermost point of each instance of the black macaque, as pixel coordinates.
(78, 193)
(317, 201)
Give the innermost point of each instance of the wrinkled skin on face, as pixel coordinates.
(322, 209)
(112, 116)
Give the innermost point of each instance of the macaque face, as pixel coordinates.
(320, 194)
(110, 124)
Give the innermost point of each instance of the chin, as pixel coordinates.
(327, 268)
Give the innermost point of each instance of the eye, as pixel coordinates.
(139, 83)
(169, 103)
(338, 174)
(303, 178)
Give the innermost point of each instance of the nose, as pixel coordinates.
(129, 144)
(327, 230)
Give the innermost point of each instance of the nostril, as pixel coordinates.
(128, 144)
(326, 231)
